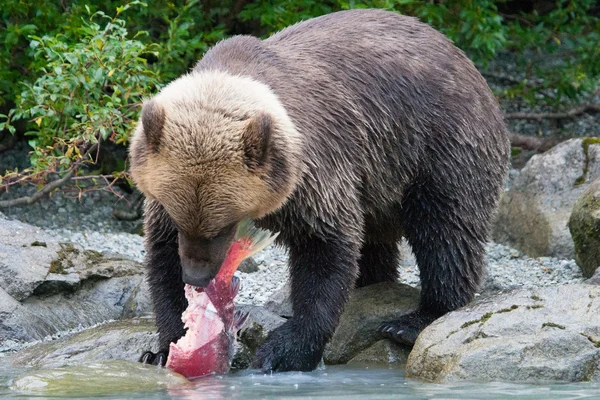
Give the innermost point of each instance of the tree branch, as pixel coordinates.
(27, 200)
(554, 115)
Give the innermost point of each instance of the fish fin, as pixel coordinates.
(240, 318)
(235, 286)
(260, 238)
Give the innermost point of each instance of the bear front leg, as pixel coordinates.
(164, 278)
(322, 274)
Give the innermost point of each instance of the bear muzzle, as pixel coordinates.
(201, 258)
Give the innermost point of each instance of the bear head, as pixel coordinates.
(213, 148)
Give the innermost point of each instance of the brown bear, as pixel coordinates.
(344, 133)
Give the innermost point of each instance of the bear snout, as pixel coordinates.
(197, 273)
(200, 258)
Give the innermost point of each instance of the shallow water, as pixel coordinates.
(127, 380)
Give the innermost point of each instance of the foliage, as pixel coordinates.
(88, 91)
(562, 47)
(76, 76)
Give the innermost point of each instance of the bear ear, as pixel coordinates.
(257, 138)
(153, 121)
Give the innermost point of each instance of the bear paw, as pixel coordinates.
(151, 358)
(285, 350)
(407, 328)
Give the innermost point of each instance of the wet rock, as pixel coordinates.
(367, 308)
(47, 287)
(280, 302)
(122, 340)
(533, 214)
(248, 266)
(382, 352)
(584, 226)
(258, 325)
(139, 302)
(94, 302)
(541, 334)
(108, 378)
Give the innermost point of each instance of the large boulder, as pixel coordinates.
(384, 352)
(364, 312)
(48, 288)
(533, 214)
(584, 225)
(540, 334)
(119, 340)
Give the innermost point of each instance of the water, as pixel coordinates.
(119, 379)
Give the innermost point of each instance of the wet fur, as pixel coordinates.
(393, 133)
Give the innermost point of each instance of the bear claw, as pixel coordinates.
(151, 358)
(405, 329)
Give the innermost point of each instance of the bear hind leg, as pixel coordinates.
(378, 263)
(446, 230)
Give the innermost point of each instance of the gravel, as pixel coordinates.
(506, 268)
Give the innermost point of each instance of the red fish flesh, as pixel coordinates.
(209, 343)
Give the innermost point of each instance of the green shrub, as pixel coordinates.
(88, 91)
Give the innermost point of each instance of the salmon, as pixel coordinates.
(208, 346)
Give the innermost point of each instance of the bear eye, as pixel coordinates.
(226, 231)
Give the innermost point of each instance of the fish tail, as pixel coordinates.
(259, 238)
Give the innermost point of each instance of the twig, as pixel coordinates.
(86, 177)
(537, 144)
(27, 200)
(554, 115)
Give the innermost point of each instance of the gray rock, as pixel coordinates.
(92, 303)
(280, 302)
(364, 312)
(258, 325)
(595, 279)
(47, 287)
(382, 352)
(533, 214)
(24, 267)
(122, 340)
(248, 266)
(541, 334)
(584, 225)
(7, 304)
(139, 303)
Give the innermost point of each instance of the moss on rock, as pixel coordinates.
(584, 225)
(586, 143)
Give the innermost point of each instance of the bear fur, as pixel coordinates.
(344, 133)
